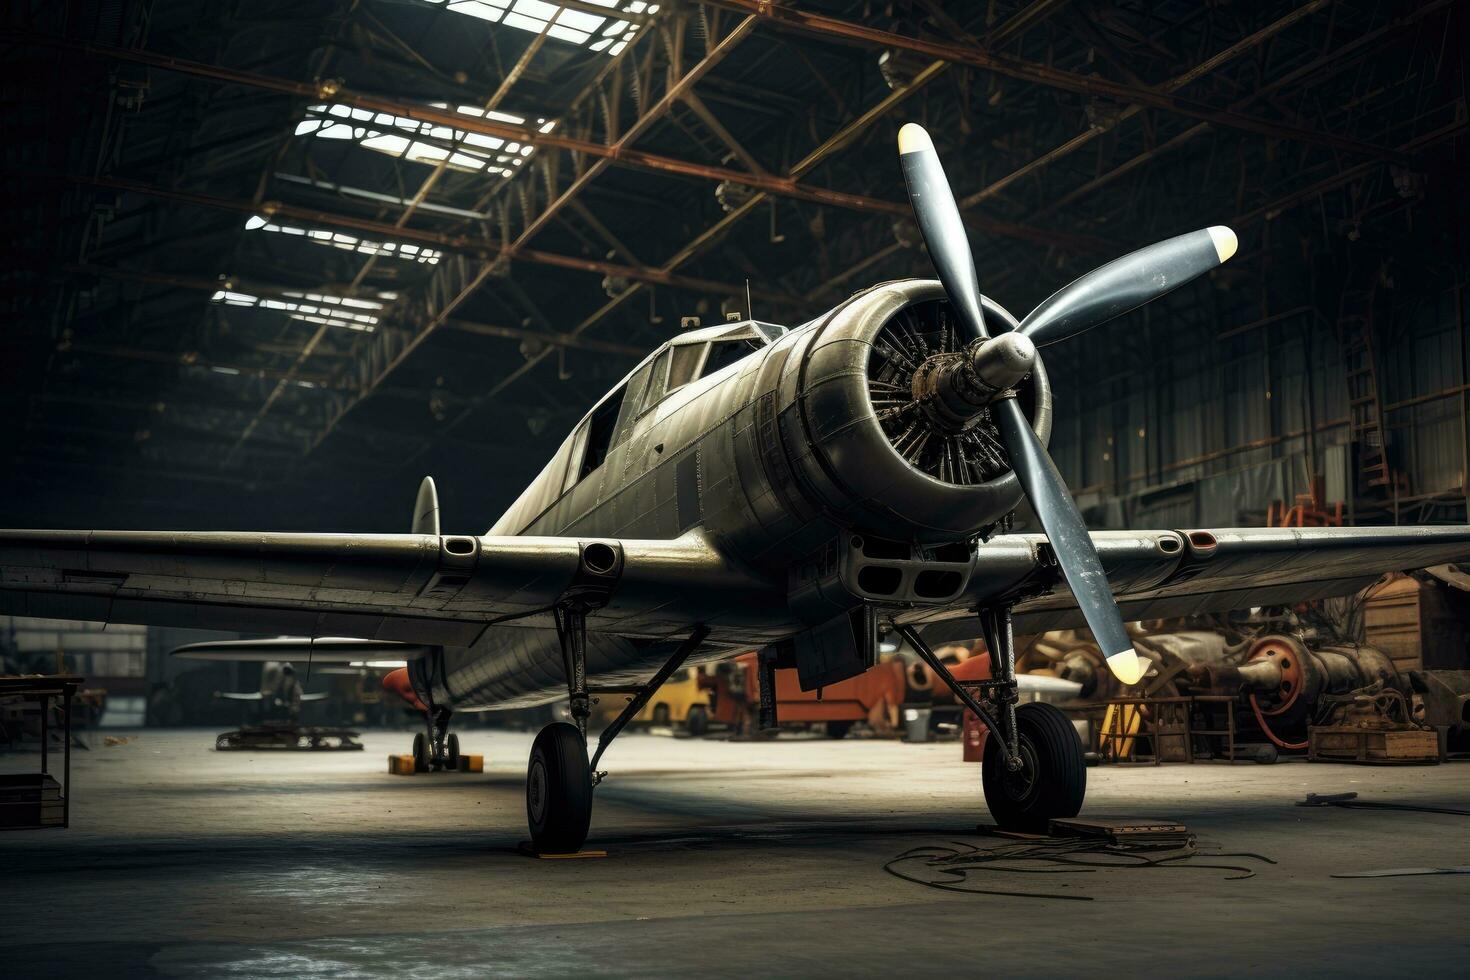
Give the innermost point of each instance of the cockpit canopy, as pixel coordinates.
(681, 361)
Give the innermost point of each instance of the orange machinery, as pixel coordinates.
(972, 733)
(874, 696)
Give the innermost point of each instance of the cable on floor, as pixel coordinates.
(1350, 801)
(957, 866)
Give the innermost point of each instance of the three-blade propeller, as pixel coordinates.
(1097, 297)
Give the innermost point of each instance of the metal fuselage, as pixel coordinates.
(775, 460)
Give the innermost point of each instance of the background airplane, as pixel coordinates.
(752, 486)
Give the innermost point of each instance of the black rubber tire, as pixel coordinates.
(660, 714)
(1054, 780)
(451, 751)
(696, 723)
(558, 790)
(838, 729)
(420, 753)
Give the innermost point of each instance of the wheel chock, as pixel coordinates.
(529, 850)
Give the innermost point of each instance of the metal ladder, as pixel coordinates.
(1376, 478)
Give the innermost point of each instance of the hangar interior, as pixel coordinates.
(269, 263)
(206, 173)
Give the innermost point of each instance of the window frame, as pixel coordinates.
(658, 381)
(709, 350)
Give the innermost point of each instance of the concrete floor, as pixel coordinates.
(725, 859)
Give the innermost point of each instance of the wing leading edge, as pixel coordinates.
(1158, 574)
(409, 588)
(446, 589)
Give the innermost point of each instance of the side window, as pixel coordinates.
(574, 457)
(684, 364)
(723, 353)
(600, 433)
(657, 382)
(674, 369)
(632, 401)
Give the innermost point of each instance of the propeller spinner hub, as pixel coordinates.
(955, 388)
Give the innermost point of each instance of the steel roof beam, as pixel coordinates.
(821, 25)
(440, 308)
(1011, 28)
(1071, 145)
(619, 153)
(188, 359)
(475, 246)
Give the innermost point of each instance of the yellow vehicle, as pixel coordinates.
(681, 702)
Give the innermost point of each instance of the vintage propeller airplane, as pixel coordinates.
(749, 486)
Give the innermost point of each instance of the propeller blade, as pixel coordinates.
(1126, 283)
(1069, 539)
(940, 224)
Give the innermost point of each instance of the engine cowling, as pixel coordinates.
(857, 430)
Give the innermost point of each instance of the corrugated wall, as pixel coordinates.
(1208, 431)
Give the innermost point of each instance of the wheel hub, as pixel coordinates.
(1020, 783)
(536, 790)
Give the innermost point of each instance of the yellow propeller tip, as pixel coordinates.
(1225, 241)
(913, 138)
(1127, 666)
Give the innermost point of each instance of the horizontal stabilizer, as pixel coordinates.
(323, 650)
(259, 696)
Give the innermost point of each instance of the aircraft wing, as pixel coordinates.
(1158, 574)
(445, 590)
(413, 588)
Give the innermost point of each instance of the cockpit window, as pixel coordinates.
(723, 353)
(657, 381)
(600, 433)
(680, 364)
(633, 400)
(683, 368)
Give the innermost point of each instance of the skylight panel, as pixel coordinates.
(606, 34)
(322, 308)
(425, 142)
(350, 243)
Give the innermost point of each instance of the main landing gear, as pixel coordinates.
(1033, 771)
(435, 749)
(560, 778)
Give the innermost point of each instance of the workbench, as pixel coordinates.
(31, 800)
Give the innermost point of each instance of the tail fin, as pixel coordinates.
(426, 509)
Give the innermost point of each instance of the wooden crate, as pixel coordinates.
(1346, 744)
(1419, 625)
(30, 800)
(1391, 622)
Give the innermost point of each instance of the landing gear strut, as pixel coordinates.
(1033, 771)
(434, 748)
(560, 777)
